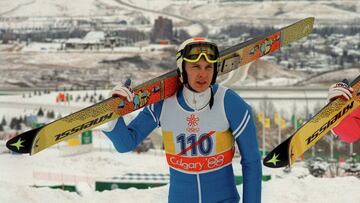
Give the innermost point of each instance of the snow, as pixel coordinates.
(50, 99)
(94, 37)
(153, 5)
(311, 189)
(17, 178)
(54, 8)
(42, 47)
(193, 30)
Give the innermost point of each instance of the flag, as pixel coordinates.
(309, 117)
(261, 117)
(267, 123)
(296, 122)
(283, 124)
(277, 118)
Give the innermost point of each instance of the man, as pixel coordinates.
(200, 125)
(348, 129)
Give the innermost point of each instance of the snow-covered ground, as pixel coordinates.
(18, 105)
(17, 177)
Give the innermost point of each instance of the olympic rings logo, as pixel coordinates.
(215, 162)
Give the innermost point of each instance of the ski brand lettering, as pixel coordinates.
(83, 126)
(329, 123)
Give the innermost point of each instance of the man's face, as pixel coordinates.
(199, 74)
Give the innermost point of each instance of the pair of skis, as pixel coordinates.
(150, 92)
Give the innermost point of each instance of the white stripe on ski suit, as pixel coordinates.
(242, 125)
(151, 110)
(199, 187)
(242, 129)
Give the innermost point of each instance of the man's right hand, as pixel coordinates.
(340, 89)
(123, 91)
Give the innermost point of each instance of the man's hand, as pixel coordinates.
(123, 91)
(340, 89)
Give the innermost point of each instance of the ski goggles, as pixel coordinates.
(193, 52)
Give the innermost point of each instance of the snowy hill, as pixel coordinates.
(268, 73)
(29, 8)
(262, 70)
(214, 12)
(331, 77)
(247, 11)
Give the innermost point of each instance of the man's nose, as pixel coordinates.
(202, 73)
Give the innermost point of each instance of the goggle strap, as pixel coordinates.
(179, 54)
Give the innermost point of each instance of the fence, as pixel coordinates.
(63, 178)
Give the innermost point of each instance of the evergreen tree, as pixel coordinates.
(21, 120)
(18, 126)
(3, 122)
(50, 114)
(13, 123)
(40, 112)
(53, 114)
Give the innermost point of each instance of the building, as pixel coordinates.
(162, 30)
(95, 40)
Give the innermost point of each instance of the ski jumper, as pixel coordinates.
(199, 146)
(348, 129)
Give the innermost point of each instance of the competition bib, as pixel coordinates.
(197, 142)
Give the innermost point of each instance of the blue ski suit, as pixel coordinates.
(200, 156)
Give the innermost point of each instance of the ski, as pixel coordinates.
(313, 130)
(152, 91)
